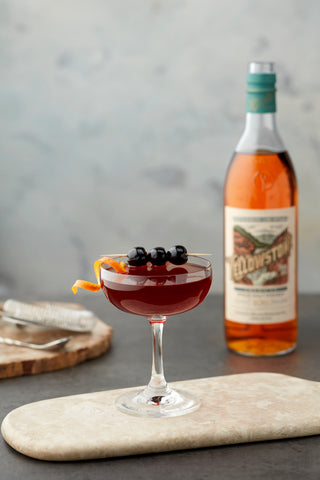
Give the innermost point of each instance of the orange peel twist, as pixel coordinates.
(119, 267)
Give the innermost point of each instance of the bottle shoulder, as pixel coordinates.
(261, 133)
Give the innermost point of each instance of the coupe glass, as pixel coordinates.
(156, 293)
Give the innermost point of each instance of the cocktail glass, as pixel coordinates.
(156, 293)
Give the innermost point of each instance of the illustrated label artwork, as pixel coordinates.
(260, 265)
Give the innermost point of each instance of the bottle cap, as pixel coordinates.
(261, 80)
(261, 77)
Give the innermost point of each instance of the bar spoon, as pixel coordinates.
(38, 346)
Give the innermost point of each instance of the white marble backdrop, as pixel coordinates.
(118, 120)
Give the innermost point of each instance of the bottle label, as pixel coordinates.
(260, 265)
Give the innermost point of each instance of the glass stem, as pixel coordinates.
(157, 385)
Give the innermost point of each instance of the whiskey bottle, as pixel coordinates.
(260, 230)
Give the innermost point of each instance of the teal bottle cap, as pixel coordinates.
(261, 81)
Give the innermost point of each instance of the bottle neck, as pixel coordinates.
(260, 134)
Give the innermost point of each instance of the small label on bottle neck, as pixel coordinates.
(261, 93)
(261, 102)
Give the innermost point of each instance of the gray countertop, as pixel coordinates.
(194, 347)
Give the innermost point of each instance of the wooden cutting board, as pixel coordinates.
(16, 361)
(234, 409)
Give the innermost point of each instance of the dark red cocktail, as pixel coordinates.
(157, 290)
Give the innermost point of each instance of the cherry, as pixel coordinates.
(137, 257)
(177, 255)
(157, 256)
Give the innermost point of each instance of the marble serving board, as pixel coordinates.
(17, 361)
(234, 409)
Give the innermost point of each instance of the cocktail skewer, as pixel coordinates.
(118, 255)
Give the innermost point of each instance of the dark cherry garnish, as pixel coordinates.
(177, 255)
(137, 257)
(157, 256)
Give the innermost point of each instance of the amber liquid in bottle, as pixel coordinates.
(261, 180)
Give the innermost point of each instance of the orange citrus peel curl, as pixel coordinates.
(119, 267)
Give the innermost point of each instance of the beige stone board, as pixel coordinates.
(234, 409)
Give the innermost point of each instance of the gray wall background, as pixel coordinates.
(118, 120)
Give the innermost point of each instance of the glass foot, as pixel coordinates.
(146, 404)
